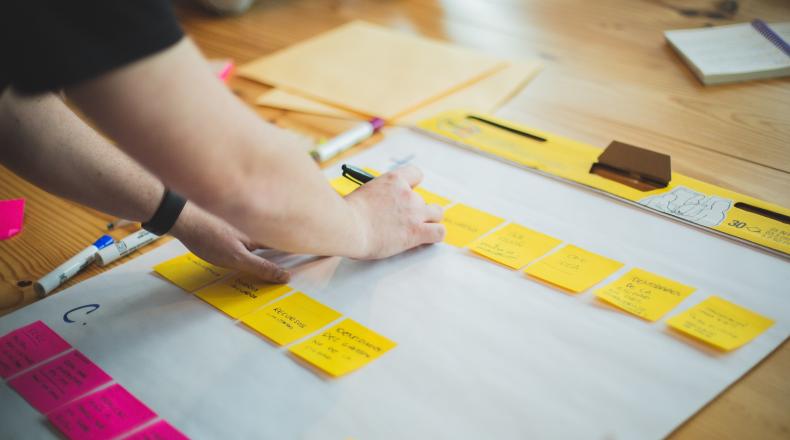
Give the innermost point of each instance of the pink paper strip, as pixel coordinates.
(59, 381)
(160, 430)
(12, 213)
(27, 346)
(102, 415)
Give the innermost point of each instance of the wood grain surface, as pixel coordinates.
(609, 75)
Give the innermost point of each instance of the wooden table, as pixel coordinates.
(609, 74)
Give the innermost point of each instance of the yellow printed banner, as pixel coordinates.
(692, 201)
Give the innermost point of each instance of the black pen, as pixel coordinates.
(356, 175)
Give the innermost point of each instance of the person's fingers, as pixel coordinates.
(411, 174)
(434, 213)
(263, 269)
(431, 233)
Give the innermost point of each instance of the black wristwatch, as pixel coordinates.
(166, 215)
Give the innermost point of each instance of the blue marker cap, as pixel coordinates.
(103, 242)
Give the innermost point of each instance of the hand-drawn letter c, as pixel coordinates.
(91, 308)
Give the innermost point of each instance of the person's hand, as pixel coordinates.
(392, 217)
(215, 241)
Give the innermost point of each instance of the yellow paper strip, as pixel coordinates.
(514, 245)
(720, 323)
(189, 272)
(345, 347)
(465, 224)
(644, 294)
(290, 318)
(241, 294)
(573, 268)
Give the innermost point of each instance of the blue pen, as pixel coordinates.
(65, 271)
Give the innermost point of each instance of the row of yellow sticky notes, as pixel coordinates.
(715, 321)
(280, 314)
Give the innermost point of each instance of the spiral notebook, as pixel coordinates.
(738, 52)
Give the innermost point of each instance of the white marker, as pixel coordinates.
(343, 142)
(122, 248)
(65, 271)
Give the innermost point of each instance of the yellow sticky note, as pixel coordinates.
(720, 323)
(343, 348)
(644, 294)
(431, 198)
(573, 268)
(514, 245)
(241, 294)
(345, 186)
(465, 224)
(290, 318)
(189, 272)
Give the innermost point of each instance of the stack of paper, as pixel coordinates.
(360, 70)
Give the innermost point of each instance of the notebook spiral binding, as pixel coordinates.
(766, 31)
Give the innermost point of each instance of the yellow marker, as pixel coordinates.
(514, 245)
(290, 318)
(720, 323)
(343, 348)
(465, 224)
(241, 294)
(573, 268)
(431, 198)
(190, 272)
(644, 294)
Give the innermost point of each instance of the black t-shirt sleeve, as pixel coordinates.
(49, 44)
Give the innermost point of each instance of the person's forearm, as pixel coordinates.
(44, 142)
(174, 117)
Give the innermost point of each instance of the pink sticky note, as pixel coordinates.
(160, 430)
(28, 345)
(59, 381)
(12, 212)
(105, 414)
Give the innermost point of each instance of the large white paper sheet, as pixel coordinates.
(483, 351)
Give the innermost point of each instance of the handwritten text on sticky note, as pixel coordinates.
(573, 268)
(720, 323)
(465, 224)
(644, 294)
(189, 272)
(241, 294)
(514, 245)
(290, 318)
(343, 348)
(105, 414)
(27, 346)
(56, 382)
